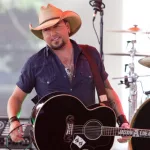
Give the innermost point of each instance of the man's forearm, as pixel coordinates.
(113, 98)
(13, 107)
(114, 101)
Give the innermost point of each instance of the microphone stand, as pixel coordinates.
(98, 5)
(101, 34)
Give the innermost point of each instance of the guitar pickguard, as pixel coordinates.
(68, 137)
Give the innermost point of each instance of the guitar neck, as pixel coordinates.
(114, 131)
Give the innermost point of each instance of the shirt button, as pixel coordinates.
(70, 89)
(47, 82)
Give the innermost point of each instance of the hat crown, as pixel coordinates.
(49, 12)
(50, 15)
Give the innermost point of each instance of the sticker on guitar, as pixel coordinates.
(79, 142)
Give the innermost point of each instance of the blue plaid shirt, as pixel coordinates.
(45, 72)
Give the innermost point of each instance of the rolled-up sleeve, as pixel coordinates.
(26, 80)
(103, 72)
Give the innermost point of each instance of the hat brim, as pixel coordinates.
(71, 17)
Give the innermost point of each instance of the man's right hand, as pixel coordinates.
(16, 134)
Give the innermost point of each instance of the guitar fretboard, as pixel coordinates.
(113, 131)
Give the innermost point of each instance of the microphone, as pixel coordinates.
(98, 6)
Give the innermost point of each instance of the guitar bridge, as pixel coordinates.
(69, 128)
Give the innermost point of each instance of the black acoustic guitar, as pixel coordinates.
(62, 122)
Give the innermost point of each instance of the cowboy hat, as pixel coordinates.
(51, 15)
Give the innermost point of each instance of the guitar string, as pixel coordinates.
(105, 127)
(106, 130)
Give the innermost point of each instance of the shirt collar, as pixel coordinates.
(76, 48)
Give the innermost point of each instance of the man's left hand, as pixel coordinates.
(124, 139)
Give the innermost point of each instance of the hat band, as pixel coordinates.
(49, 20)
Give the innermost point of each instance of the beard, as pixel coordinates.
(57, 45)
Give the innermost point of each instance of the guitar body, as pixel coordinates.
(62, 122)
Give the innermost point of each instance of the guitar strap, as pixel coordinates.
(99, 84)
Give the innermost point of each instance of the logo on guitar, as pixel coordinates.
(78, 141)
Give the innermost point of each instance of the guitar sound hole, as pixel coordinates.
(92, 129)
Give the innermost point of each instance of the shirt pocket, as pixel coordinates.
(86, 78)
(85, 74)
(47, 79)
(46, 75)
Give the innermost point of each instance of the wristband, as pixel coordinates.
(121, 119)
(12, 119)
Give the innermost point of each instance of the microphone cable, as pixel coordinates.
(97, 5)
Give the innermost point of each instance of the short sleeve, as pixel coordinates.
(103, 72)
(26, 80)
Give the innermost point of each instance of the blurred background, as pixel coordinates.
(17, 43)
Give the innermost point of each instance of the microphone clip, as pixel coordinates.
(97, 5)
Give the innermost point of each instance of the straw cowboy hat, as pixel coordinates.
(51, 15)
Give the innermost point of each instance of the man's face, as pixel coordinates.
(57, 36)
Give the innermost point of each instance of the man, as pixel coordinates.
(60, 66)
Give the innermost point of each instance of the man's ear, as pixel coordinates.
(68, 26)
